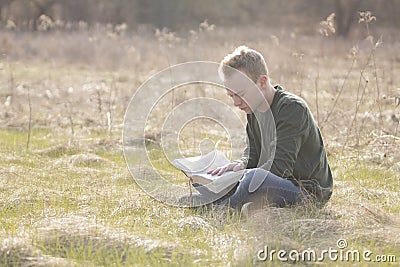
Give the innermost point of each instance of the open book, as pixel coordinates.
(197, 168)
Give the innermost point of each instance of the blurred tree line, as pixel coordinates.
(184, 14)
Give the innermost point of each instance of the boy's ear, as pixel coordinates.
(262, 80)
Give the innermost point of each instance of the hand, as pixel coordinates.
(234, 166)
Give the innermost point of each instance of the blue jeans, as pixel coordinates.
(271, 191)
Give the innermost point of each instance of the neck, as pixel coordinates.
(268, 93)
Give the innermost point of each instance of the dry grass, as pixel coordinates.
(69, 199)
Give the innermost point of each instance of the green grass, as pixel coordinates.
(96, 215)
(38, 187)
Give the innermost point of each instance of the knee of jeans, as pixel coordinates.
(256, 173)
(254, 178)
(245, 182)
(242, 188)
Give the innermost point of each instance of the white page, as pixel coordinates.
(201, 164)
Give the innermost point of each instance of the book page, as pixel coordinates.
(212, 178)
(201, 164)
(217, 183)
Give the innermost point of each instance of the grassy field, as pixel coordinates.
(68, 199)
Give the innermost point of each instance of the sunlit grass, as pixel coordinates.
(38, 189)
(70, 199)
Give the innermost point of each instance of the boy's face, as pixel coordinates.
(245, 94)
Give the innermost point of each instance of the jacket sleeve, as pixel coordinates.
(292, 129)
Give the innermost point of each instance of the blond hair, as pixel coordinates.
(244, 59)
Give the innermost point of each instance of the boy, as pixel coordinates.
(299, 171)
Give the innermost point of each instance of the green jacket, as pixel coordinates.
(300, 154)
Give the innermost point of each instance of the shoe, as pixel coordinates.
(247, 209)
